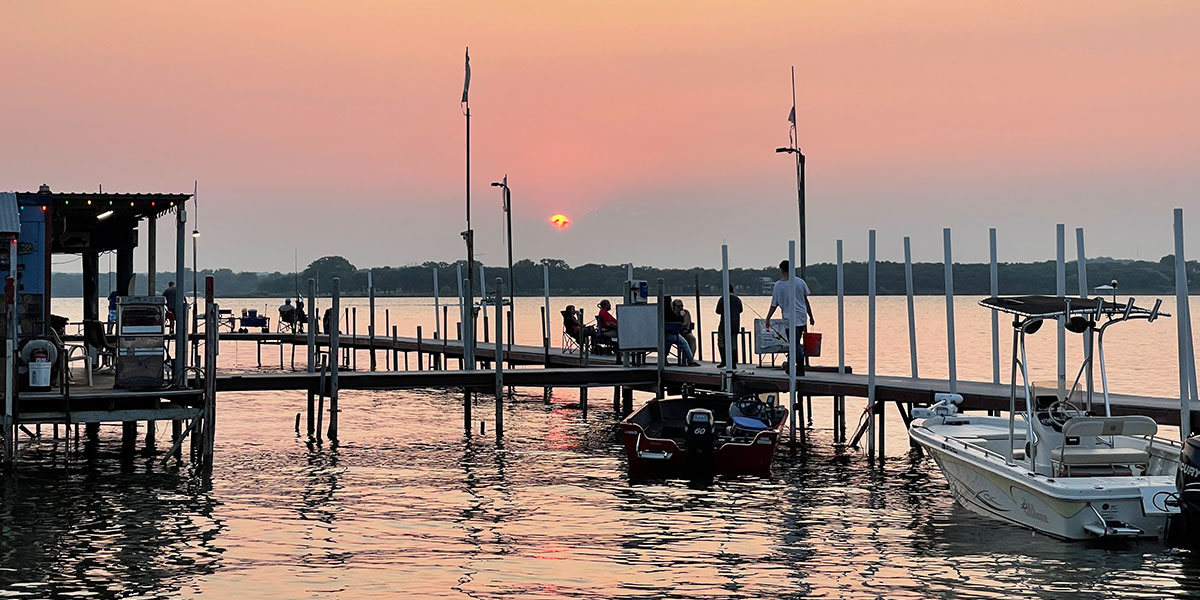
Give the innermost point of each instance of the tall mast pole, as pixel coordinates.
(799, 181)
(469, 235)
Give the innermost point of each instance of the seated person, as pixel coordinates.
(673, 323)
(571, 323)
(688, 326)
(301, 317)
(326, 321)
(605, 321)
(287, 312)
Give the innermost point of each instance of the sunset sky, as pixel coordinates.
(335, 127)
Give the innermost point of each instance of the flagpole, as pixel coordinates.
(799, 182)
(469, 234)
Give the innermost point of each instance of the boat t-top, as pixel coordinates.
(1063, 465)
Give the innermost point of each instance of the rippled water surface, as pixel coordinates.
(408, 506)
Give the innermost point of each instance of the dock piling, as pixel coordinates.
(420, 354)
(371, 319)
(334, 344)
(499, 363)
(1187, 352)
(871, 397)
(839, 402)
(949, 274)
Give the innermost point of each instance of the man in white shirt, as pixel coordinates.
(788, 292)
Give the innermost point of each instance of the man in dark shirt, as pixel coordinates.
(171, 294)
(735, 324)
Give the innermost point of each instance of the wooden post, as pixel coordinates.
(499, 363)
(334, 346)
(352, 348)
(420, 354)
(442, 359)
(396, 350)
(387, 326)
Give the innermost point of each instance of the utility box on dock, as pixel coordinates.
(141, 342)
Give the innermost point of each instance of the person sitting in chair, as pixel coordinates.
(301, 317)
(287, 312)
(605, 321)
(674, 325)
(571, 322)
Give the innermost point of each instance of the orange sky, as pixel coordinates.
(651, 124)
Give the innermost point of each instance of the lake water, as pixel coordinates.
(408, 506)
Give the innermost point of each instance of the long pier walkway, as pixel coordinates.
(567, 370)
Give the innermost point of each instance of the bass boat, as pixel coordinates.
(704, 432)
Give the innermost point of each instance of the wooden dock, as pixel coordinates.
(820, 381)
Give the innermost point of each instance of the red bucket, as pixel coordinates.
(812, 344)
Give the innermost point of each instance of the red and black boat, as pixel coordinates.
(704, 432)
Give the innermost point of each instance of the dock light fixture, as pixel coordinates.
(795, 150)
(507, 199)
(104, 215)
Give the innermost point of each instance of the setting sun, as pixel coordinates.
(560, 221)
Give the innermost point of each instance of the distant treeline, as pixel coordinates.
(608, 280)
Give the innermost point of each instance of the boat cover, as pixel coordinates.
(1055, 306)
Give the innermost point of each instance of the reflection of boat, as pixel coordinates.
(704, 431)
(490, 300)
(1083, 476)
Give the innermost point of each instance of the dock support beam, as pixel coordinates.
(312, 352)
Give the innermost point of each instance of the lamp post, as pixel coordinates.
(512, 285)
(795, 149)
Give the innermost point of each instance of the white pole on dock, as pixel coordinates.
(499, 363)
(727, 324)
(1060, 278)
(546, 316)
(437, 307)
(334, 339)
(793, 327)
(1187, 356)
(994, 276)
(841, 304)
(912, 313)
(950, 352)
(871, 344)
(482, 297)
(662, 339)
(371, 320)
(312, 334)
(1081, 263)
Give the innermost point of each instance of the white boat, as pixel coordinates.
(1084, 475)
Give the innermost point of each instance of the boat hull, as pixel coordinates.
(651, 455)
(1065, 508)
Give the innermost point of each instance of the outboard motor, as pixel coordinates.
(1184, 528)
(700, 438)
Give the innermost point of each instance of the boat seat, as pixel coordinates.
(1100, 456)
(1091, 427)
